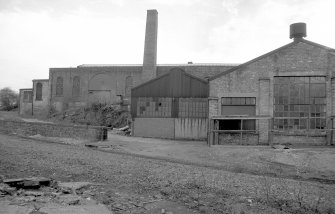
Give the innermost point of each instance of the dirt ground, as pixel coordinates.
(145, 175)
(129, 182)
(309, 163)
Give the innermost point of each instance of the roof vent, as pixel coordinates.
(297, 30)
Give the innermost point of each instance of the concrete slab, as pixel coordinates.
(7, 208)
(73, 185)
(79, 209)
(167, 207)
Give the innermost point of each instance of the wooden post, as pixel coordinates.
(216, 134)
(211, 133)
(241, 128)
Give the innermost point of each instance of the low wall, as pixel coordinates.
(236, 139)
(53, 130)
(191, 128)
(296, 139)
(171, 128)
(154, 127)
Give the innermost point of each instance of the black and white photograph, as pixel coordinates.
(167, 107)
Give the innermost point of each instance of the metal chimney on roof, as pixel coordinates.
(297, 30)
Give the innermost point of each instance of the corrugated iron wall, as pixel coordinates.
(169, 107)
(176, 83)
(176, 94)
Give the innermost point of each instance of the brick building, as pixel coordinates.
(286, 95)
(79, 86)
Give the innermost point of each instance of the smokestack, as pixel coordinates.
(297, 30)
(150, 46)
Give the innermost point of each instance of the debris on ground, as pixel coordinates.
(28, 183)
(280, 146)
(122, 131)
(96, 114)
(43, 195)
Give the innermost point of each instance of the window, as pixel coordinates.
(238, 106)
(129, 85)
(27, 96)
(238, 101)
(59, 86)
(76, 87)
(38, 91)
(247, 124)
(299, 103)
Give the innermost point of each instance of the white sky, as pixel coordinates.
(38, 34)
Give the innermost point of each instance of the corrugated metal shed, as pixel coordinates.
(176, 84)
(175, 94)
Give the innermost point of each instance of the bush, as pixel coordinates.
(8, 99)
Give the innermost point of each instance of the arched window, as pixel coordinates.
(59, 86)
(76, 87)
(38, 91)
(129, 85)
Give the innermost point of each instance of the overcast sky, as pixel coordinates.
(38, 34)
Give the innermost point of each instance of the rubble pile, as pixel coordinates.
(96, 114)
(43, 195)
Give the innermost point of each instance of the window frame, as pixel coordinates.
(296, 106)
(76, 86)
(27, 96)
(38, 92)
(59, 86)
(243, 101)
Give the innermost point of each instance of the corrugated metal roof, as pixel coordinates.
(176, 83)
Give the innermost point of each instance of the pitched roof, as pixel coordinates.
(272, 52)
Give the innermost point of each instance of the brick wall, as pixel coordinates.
(25, 105)
(41, 107)
(263, 130)
(113, 77)
(213, 107)
(255, 79)
(238, 139)
(52, 130)
(296, 140)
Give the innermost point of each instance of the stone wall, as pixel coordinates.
(53, 130)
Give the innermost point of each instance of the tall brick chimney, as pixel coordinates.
(150, 46)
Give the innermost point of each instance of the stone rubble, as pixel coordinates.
(42, 195)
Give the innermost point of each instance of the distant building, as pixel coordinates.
(79, 86)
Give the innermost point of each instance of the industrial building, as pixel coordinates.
(73, 87)
(173, 105)
(286, 95)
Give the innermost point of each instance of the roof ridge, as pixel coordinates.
(269, 53)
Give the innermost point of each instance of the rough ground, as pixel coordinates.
(317, 163)
(137, 185)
